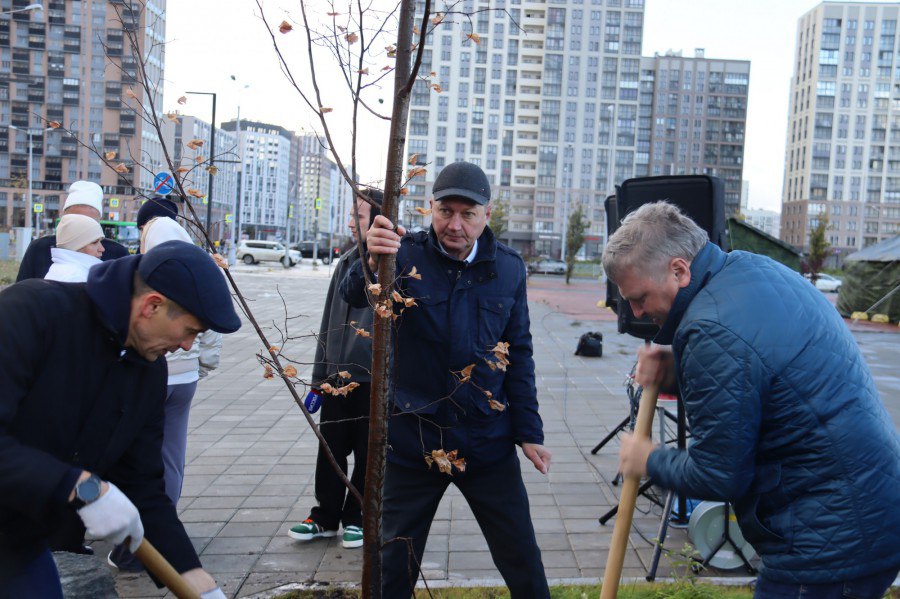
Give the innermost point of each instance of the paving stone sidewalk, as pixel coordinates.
(251, 456)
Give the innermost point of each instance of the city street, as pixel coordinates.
(251, 456)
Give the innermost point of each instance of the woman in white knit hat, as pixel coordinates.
(78, 248)
(185, 370)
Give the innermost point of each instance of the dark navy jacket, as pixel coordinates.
(786, 421)
(72, 398)
(36, 261)
(463, 310)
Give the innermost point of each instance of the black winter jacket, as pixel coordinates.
(36, 261)
(72, 398)
(463, 310)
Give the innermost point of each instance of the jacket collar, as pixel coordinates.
(704, 266)
(109, 285)
(486, 247)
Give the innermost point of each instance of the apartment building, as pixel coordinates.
(546, 102)
(71, 63)
(219, 205)
(842, 158)
(323, 195)
(693, 116)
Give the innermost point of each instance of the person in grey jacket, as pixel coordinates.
(344, 346)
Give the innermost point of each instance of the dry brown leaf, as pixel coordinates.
(274, 349)
(395, 295)
(220, 261)
(423, 211)
(290, 371)
(383, 311)
(436, 19)
(437, 87)
(344, 374)
(496, 405)
(195, 144)
(172, 117)
(325, 110)
(404, 191)
(195, 192)
(414, 158)
(374, 288)
(120, 168)
(502, 347)
(212, 170)
(351, 38)
(487, 393)
(409, 302)
(182, 100)
(467, 371)
(332, 390)
(474, 37)
(386, 68)
(182, 169)
(110, 155)
(333, 14)
(415, 30)
(268, 373)
(364, 71)
(130, 93)
(285, 27)
(54, 124)
(199, 158)
(442, 460)
(415, 275)
(415, 172)
(363, 333)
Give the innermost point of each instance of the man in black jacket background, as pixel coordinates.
(82, 387)
(85, 198)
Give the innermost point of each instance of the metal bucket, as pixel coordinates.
(706, 530)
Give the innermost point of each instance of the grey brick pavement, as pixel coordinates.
(251, 458)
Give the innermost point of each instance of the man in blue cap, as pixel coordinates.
(464, 393)
(82, 386)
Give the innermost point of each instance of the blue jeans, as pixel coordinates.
(872, 586)
(499, 502)
(39, 580)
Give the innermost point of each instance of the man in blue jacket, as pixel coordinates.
(464, 393)
(82, 388)
(786, 422)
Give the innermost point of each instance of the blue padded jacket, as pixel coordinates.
(786, 421)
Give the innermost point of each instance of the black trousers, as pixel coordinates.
(500, 504)
(344, 423)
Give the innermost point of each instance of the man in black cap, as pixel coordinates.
(154, 207)
(464, 392)
(82, 386)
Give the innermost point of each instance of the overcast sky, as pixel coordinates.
(210, 40)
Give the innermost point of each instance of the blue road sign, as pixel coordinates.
(163, 183)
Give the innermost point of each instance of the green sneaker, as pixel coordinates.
(308, 530)
(353, 537)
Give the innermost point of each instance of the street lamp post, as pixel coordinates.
(36, 6)
(212, 158)
(236, 211)
(567, 182)
(30, 133)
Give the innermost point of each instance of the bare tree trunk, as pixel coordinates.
(381, 342)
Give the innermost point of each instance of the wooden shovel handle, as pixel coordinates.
(163, 570)
(627, 500)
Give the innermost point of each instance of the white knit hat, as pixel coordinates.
(76, 231)
(87, 193)
(160, 230)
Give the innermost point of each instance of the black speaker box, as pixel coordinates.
(700, 197)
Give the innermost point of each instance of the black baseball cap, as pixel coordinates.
(188, 276)
(462, 180)
(158, 206)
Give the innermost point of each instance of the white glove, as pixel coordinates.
(216, 593)
(113, 517)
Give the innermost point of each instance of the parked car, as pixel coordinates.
(252, 251)
(306, 250)
(826, 282)
(552, 267)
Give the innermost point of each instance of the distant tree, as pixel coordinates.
(499, 216)
(819, 249)
(578, 224)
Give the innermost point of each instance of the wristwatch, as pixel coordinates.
(87, 491)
